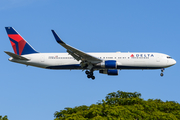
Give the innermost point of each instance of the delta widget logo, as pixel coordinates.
(132, 55)
(17, 43)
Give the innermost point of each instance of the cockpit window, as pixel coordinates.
(169, 57)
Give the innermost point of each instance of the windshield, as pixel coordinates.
(169, 57)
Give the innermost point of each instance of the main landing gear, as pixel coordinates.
(90, 74)
(162, 70)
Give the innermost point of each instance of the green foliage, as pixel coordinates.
(123, 106)
(3, 118)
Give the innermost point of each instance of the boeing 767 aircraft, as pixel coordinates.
(74, 59)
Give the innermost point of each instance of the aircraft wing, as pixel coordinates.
(77, 54)
(15, 56)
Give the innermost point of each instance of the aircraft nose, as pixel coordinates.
(173, 62)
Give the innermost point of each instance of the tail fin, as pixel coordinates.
(20, 45)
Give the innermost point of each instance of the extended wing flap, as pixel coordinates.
(77, 57)
(77, 54)
(15, 56)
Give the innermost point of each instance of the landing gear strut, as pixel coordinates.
(90, 74)
(162, 70)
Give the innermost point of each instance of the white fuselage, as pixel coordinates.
(124, 60)
(74, 59)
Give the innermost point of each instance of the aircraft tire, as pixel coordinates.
(161, 74)
(87, 72)
(93, 77)
(88, 76)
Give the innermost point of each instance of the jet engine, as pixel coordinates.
(108, 64)
(109, 72)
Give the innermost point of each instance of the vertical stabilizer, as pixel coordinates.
(19, 44)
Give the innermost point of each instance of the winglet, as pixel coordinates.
(58, 39)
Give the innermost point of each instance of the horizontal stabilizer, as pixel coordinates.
(15, 56)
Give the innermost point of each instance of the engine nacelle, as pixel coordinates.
(108, 64)
(109, 72)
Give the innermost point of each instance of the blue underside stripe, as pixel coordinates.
(77, 66)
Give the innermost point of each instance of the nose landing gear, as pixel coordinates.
(162, 70)
(90, 74)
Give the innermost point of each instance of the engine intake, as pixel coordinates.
(109, 72)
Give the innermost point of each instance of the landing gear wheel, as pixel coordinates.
(161, 74)
(87, 72)
(162, 70)
(88, 76)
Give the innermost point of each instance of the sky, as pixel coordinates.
(91, 26)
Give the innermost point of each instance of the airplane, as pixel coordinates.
(74, 59)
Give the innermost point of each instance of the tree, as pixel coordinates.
(3, 118)
(123, 106)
